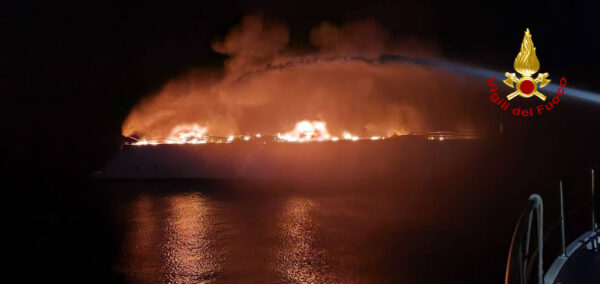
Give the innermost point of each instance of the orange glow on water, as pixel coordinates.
(166, 242)
(300, 258)
(189, 258)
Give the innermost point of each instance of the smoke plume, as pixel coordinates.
(266, 87)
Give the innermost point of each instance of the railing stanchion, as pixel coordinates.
(562, 220)
(594, 227)
(539, 210)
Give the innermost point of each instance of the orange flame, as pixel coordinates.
(180, 134)
(306, 131)
(188, 133)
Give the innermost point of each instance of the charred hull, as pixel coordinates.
(407, 157)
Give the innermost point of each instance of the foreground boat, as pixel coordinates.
(579, 262)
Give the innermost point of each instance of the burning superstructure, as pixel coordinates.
(311, 109)
(304, 131)
(341, 91)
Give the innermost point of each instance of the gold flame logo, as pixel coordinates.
(526, 64)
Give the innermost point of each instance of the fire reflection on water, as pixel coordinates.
(188, 249)
(185, 238)
(299, 258)
(140, 256)
(170, 241)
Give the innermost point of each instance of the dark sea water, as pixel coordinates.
(267, 233)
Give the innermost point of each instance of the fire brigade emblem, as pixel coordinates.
(526, 64)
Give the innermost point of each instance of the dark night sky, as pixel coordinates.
(72, 71)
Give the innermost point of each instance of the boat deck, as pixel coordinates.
(582, 267)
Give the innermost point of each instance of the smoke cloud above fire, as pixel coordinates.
(267, 87)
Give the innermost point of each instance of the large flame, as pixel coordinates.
(526, 62)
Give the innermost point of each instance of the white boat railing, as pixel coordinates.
(521, 258)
